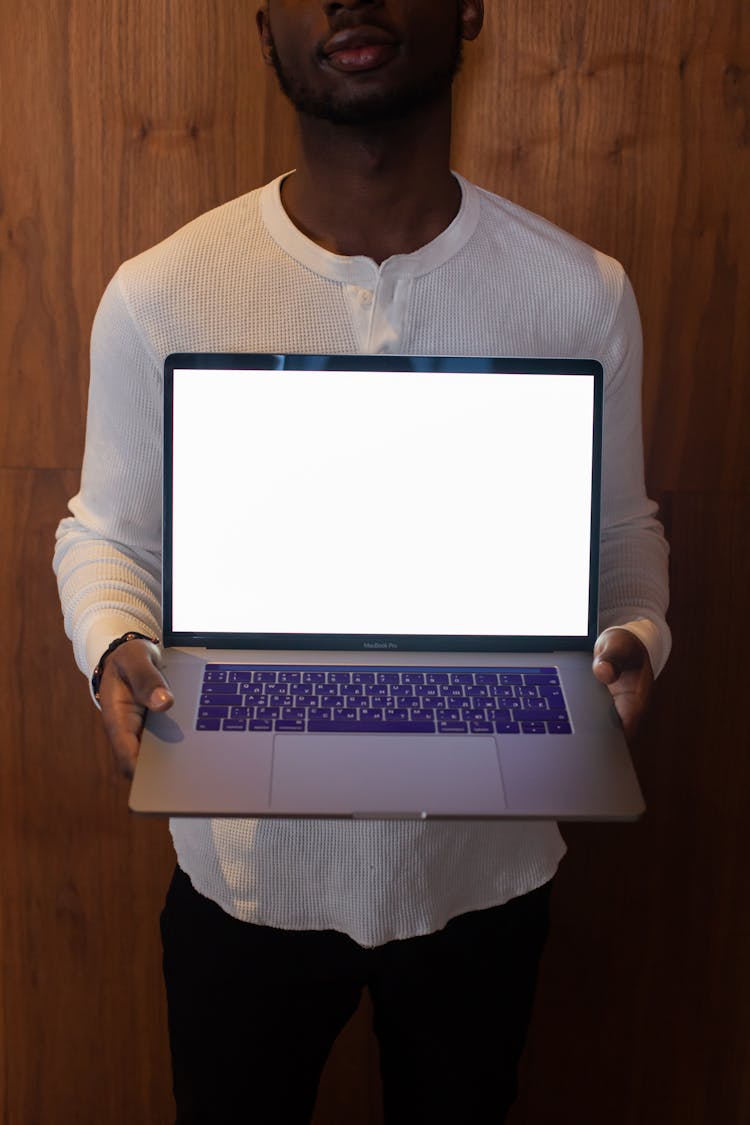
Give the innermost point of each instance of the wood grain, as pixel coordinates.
(628, 124)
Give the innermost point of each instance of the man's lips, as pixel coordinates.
(359, 49)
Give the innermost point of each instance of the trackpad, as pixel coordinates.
(375, 774)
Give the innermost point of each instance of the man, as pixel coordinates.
(272, 928)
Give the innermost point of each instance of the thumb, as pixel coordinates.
(135, 664)
(605, 670)
(617, 651)
(151, 689)
(161, 698)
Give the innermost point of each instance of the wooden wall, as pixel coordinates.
(627, 123)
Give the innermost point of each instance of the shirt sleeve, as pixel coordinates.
(634, 583)
(108, 551)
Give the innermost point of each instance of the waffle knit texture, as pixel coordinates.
(241, 278)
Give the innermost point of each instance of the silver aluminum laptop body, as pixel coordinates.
(346, 518)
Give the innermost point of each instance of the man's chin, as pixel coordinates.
(363, 114)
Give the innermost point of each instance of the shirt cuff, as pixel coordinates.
(657, 639)
(102, 633)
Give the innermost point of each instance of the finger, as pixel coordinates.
(630, 712)
(631, 692)
(631, 696)
(123, 722)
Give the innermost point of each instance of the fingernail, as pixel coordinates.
(159, 696)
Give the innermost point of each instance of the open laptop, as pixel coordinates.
(380, 591)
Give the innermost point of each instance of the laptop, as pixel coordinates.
(380, 582)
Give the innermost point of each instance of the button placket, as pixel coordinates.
(389, 306)
(361, 302)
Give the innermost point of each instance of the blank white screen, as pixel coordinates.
(449, 503)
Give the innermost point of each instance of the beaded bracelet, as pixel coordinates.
(96, 678)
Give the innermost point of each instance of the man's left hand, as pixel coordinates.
(622, 663)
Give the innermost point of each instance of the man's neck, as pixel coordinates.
(373, 192)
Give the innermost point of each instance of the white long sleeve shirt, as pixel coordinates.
(242, 278)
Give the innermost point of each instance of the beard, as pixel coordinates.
(377, 108)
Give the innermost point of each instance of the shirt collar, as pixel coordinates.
(360, 270)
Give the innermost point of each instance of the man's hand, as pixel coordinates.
(131, 684)
(622, 663)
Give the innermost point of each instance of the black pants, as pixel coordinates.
(254, 1012)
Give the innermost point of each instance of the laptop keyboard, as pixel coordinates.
(418, 700)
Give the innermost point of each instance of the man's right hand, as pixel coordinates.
(131, 684)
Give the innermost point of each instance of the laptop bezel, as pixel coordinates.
(374, 643)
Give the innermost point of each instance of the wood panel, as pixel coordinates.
(42, 338)
(628, 125)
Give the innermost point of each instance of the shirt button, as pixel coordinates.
(365, 297)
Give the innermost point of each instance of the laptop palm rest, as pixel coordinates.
(386, 774)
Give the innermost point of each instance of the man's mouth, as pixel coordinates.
(359, 49)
